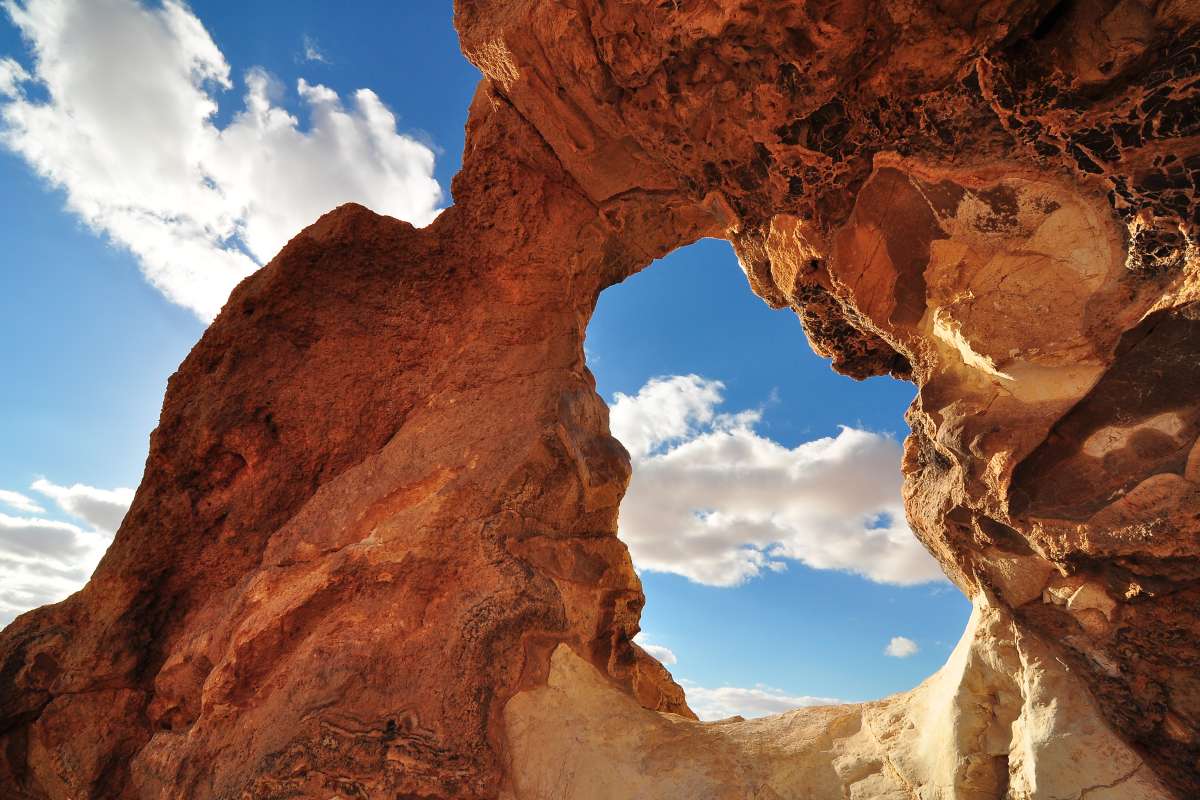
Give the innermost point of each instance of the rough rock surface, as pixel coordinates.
(998, 720)
(373, 553)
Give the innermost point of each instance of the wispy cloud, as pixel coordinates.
(901, 647)
(127, 130)
(12, 75)
(19, 502)
(312, 52)
(714, 500)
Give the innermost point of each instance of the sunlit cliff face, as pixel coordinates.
(375, 548)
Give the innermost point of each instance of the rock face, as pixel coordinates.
(374, 552)
(1001, 719)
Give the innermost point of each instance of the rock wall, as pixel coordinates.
(374, 552)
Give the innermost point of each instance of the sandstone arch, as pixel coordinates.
(373, 553)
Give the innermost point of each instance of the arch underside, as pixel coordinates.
(374, 549)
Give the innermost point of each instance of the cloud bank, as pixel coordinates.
(117, 109)
(759, 701)
(729, 701)
(716, 501)
(44, 560)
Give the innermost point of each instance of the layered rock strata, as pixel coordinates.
(374, 551)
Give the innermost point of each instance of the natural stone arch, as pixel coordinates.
(376, 534)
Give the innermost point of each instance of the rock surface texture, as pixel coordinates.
(374, 551)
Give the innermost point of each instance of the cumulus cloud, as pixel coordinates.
(19, 502)
(716, 501)
(43, 560)
(901, 647)
(127, 130)
(665, 410)
(759, 701)
(663, 654)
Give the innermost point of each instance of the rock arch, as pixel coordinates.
(374, 552)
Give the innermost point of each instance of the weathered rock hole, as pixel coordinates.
(682, 349)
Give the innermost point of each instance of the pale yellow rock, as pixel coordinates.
(1091, 595)
(1019, 579)
(1060, 589)
(1003, 718)
(792, 251)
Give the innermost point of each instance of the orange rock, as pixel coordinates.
(373, 553)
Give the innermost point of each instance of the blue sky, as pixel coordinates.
(808, 632)
(87, 342)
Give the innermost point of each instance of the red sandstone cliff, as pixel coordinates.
(373, 553)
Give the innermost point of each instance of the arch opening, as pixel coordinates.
(764, 515)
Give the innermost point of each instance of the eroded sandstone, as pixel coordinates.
(374, 551)
(998, 720)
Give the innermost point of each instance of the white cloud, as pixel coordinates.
(663, 654)
(102, 509)
(760, 701)
(128, 132)
(717, 502)
(664, 410)
(19, 502)
(312, 52)
(901, 647)
(40, 539)
(729, 701)
(45, 560)
(12, 75)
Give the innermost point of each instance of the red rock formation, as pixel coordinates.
(373, 553)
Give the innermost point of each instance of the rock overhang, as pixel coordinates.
(998, 203)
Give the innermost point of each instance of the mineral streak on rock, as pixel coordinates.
(374, 552)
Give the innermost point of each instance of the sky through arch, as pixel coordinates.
(764, 513)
